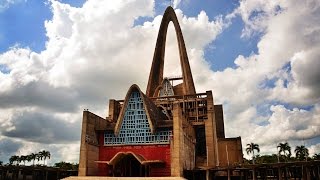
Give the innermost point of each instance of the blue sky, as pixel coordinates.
(22, 24)
(228, 45)
(261, 64)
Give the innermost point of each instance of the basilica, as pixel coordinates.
(167, 130)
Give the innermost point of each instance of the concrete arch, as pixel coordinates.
(156, 73)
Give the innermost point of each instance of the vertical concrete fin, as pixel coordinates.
(156, 73)
(211, 133)
(82, 171)
(177, 145)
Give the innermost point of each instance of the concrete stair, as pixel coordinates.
(121, 178)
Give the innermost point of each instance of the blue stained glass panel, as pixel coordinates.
(135, 127)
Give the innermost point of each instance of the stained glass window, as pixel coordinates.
(135, 127)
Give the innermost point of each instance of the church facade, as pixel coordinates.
(165, 131)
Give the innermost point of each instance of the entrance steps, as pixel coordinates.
(121, 178)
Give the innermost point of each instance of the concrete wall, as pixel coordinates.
(189, 139)
(183, 143)
(114, 110)
(89, 145)
(218, 112)
(211, 133)
(230, 151)
(178, 89)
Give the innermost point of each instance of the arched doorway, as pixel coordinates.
(129, 166)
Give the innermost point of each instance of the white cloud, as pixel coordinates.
(176, 3)
(314, 149)
(284, 124)
(287, 59)
(93, 53)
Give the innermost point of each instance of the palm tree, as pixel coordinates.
(45, 154)
(33, 157)
(13, 159)
(301, 152)
(17, 160)
(250, 149)
(23, 158)
(39, 156)
(29, 158)
(284, 148)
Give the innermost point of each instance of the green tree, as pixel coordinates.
(66, 165)
(251, 148)
(267, 158)
(316, 156)
(285, 149)
(302, 153)
(1, 163)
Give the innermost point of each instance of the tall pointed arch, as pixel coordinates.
(156, 73)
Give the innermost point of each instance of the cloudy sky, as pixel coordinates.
(260, 59)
